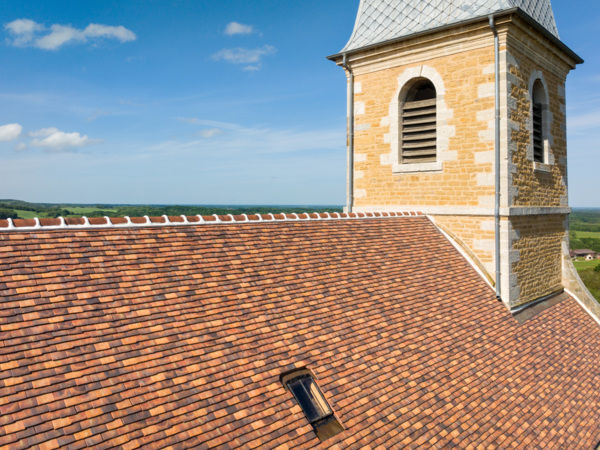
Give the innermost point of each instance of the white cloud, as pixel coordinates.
(211, 132)
(21, 146)
(210, 123)
(241, 140)
(107, 31)
(23, 31)
(60, 35)
(234, 28)
(26, 32)
(239, 55)
(55, 139)
(10, 132)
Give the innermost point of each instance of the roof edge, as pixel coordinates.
(516, 10)
(78, 223)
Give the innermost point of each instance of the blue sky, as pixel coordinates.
(207, 102)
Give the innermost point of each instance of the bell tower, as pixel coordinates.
(457, 109)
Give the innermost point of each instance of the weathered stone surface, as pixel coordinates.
(458, 190)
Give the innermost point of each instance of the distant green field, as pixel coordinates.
(75, 211)
(589, 276)
(26, 214)
(83, 210)
(15, 209)
(587, 234)
(582, 265)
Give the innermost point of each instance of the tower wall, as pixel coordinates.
(457, 191)
(464, 80)
(537, 192)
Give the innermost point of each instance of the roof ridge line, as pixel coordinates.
(84, 222)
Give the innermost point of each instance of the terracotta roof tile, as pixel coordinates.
(50, 222)
(24, 222)
(139, 220)
(74, 220)
(118, 220)
(97, 220)
(157, 336)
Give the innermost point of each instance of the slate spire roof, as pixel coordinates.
(382, 20)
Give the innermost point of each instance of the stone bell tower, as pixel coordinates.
(457, 109)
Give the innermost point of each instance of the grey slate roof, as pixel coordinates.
(383, 20)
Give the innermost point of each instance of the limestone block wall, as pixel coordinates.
(463, 181)
(464, 176)
(457, 191)
(537, 269)
(535, 241)
(536, 184)
(476, 233)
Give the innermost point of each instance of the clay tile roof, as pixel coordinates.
(49, 222)
(139, 220)
(118, 220)
(177, 335)
(24, 222)
(74, 221)
(97, 220)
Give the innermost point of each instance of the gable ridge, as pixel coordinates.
(146, 221)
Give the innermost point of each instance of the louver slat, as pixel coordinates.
(419, 131)
(538, 141)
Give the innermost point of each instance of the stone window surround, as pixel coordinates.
(443, 131)
(546, 166)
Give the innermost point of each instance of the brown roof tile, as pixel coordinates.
(97, 220)
(24, 222)
(177, 336)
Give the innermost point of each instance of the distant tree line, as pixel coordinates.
(6, 213)
(584, 220)
(584, 242)
(9, 208)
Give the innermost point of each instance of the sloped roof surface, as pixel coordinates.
(383, 20)
(178, 336)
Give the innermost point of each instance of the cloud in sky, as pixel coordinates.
(244, 140)
(209, 123)
(234, 28)
(211, 132)
(584, 122)
(10, 132)
(252, 58)
(22, 31)
(27, 33)
(53, 138)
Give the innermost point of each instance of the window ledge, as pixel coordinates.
(423, 167)
(541, 167)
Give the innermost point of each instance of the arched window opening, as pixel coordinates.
(418, 124)
(539, 137)
(313, 403)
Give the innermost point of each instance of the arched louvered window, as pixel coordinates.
(418, 124)
(539, 102)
